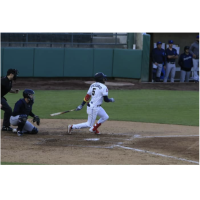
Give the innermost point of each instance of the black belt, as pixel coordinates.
(89, 105)
(171, 62)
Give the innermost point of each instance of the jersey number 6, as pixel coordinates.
(93, 91)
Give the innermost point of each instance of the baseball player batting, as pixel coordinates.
(97, 92)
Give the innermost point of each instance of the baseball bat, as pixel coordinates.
(60, 113)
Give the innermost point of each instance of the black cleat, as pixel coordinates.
(6, 128)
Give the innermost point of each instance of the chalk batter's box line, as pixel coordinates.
(157, 154)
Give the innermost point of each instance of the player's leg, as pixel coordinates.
(168, 69)
(7, 114)
(103, 117)
(20, 121)
(182, 78)
(187, 76)
(92, 115)
(154, 71)
(29, 128)
(195, 68)
(173, 72)
(159, 69)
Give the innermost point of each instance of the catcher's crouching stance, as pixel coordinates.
(98, 92)
(22, 109)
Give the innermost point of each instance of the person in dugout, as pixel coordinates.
(158, 60)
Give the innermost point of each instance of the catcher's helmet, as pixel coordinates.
(13, 71)
(100, 77)
(28, 93)
(186, 47)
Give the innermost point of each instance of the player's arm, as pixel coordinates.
(105, 96)
(107, 100)
(14, 91)
(17, 107)
(31, 114)
(191, 50)
(85, 100)
(35, 118)
(176, 55)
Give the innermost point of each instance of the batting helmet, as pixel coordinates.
(100, 77)
(13, 71)
(28, 93)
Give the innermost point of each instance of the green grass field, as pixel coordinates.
(153, 106)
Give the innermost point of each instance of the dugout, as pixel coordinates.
(180, 39)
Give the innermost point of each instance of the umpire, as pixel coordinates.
(6, 86)
(158, 59)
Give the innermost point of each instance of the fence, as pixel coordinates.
(62, 40)
(78, 62)
(72, 62)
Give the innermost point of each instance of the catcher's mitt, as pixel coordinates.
(37, 120)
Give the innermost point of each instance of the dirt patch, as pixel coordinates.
(120, 143)
(80, 84)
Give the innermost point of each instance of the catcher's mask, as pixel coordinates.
(29, 94)
(13, 71)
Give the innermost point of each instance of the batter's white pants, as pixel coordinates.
(93, 112)
(184, 76)
(195, 69)
(170, 68)
(27, 127)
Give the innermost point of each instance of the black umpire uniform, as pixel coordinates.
(6, 85)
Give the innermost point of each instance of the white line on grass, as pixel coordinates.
(157, 154)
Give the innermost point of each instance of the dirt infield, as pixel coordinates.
(120, 143)
(81, 84)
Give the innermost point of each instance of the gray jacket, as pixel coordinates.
(194, 49)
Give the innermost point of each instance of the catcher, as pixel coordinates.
(22, 109)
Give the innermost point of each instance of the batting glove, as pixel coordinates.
(79, 107)
(112, 99)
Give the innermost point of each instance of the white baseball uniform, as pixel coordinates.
(97, 91)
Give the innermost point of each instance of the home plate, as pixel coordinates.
(112, 83)
(92, 139)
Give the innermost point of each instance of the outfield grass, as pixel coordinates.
(153, 106)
